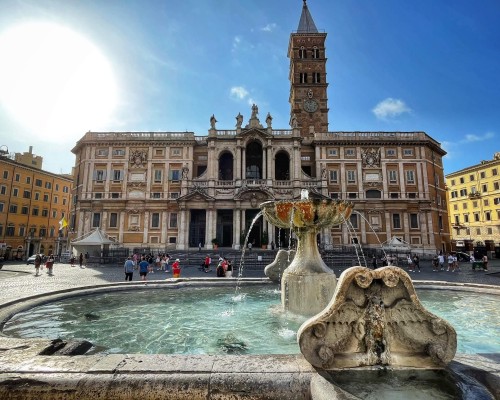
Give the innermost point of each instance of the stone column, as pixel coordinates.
(123, 215)
(237, 227)
(183, 221)
(164, 228)
(145, 227)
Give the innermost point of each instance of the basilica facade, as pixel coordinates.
(166, 190)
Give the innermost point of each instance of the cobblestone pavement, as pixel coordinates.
(18, 280)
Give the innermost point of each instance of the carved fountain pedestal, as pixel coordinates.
(307, 285)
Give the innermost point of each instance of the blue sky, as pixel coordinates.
(393, 65)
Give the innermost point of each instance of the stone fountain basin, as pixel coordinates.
(308, 213)
(26, 374)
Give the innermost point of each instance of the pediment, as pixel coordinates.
(197, 194)
(254, 133)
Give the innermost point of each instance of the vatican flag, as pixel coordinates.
(63, 223)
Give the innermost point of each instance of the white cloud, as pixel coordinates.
(236, 43)
(238, 92)
(475, 138)
(269, 27)
(390, 108)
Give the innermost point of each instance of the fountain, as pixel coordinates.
(307, 285)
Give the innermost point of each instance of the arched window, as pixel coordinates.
(373, 194)
(315, 52)
(302, 52)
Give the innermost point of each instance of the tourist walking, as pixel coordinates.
(38, 261)
(441, 261)
(176, 268)
(129, 269)
(221, 270)
(450, 263)
(86, 258)
(208, 261)
(416, 263)
(143, 268)
(410, 262)
(50, 264)
(81, 260)
(485, 262)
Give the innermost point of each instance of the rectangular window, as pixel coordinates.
(175, 174)
(26, 194)
(471, 178)
(484, 188)
(172, 223)
(483, 175)
(102, 152)
(333, 176)
(96, 220)
(414, 221)
(10, 231)
(13, 208)
(48, 185)
(56, 199)
(37, 196)
(1, 230)
(5, 174)
(35, 211)
(394, 195)
(118, 152)
(156, 195)
(457, 220)
(17, 178)
(303, 77)
(353, 219)
(351, 176)
(333, 152)
(487, 216)
(113, 220)
(335, 195)
(117, 175)
(350, 152)
(22, 230)
(3, 189)
(155, 220)
(393, 176)
(45, 197)
(476, 217)
(464, 206)
(316, 77)
(28, 180)
(157, 177)
(408, 152)
(38, 182)
(99, 175)
(494, 172)
(98, 195)
(115, 195)
(462, 180)
(486, 202)
(396, 221)
(390, 153)
(496, 186)
(466, 218)
(410, 177)
(45, 212)
(24, 210)
(173, 195)
(2, 207)
(463, 192)
(15, 192)
(489, 231)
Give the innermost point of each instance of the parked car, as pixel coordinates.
(461, 256)
(31, 260)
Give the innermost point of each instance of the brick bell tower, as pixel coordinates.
(308, 85)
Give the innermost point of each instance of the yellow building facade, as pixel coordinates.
(33, 202)
(474, 207)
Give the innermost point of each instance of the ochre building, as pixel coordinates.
(33, 202)
(474, 207)
(166, 190)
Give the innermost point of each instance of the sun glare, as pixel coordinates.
(54, 81)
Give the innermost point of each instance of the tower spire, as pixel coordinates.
(306, 23)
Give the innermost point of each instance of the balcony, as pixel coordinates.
(474, 195)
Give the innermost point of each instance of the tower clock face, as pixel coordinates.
(310, 105)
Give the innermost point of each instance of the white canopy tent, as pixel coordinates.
(96, 243)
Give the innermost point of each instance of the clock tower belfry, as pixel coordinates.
(308, 86)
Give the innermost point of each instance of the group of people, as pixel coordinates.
(146, 264)
(224, 266)
(49, 264)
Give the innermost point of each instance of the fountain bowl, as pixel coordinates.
(312, 214)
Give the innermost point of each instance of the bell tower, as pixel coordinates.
(308, 86)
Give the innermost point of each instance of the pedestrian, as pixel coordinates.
(38, 261)
(86, 258)
(450, 263)
(151, 261)
(50, 264)
(72, 260)
(485, 262)
(143, 268)
(374, 262)
(410, 262)
(250, 246)
(208, 261)
(167, 260)
(129, 269)
(435, 263)
(272, 245)
(176, 268)
(199, 247)
(81, 260)
(229, 269)
(220, 271)
(416, 263)
(441, 261)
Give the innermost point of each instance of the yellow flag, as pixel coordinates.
(63, 223)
